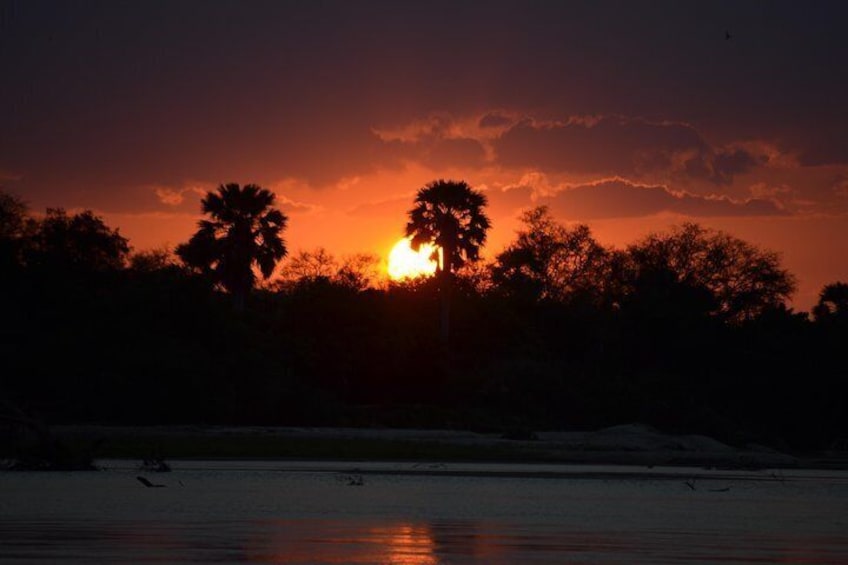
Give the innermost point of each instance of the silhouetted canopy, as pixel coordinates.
(78, 242)
(549, 261)
(243, 230)
(743, 279)
(450, 215)
(833, 302)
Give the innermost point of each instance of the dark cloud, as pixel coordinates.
(609, 145)
(721, 166)
(448, 153)
(494, 120)
(615, 145)
(621, 199)
(829, 146)
(839, 187)
(429, 146)
(738, 161)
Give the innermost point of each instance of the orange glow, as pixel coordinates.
(407, 544)
(288, 541)
(406, 263)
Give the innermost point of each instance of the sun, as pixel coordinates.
(405, 263)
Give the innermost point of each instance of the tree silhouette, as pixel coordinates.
(549, 261)
(13, 215)
(355, 272)
(450, 215)
(13, 227)
(309, 266)
(244, 230)
(359, 271)
(833, 302)
(744, 280)
(81, 243)
(152, 260)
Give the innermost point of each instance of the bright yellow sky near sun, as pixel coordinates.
(407, 263)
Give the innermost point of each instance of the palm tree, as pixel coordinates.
(450, 215)
(833, 302)
(243, 230)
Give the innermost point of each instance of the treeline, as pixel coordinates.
(686, 330)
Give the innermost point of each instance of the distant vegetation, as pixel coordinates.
(686, 330)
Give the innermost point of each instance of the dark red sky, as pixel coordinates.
(630, 116)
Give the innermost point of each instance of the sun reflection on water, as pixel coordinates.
(295, 542)
(405, 544)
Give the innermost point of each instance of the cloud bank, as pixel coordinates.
(619, 198)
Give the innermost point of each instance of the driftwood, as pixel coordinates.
(51, 453)
(147, 483)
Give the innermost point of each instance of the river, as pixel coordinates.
(425, 513)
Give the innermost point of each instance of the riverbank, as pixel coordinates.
(631, 444)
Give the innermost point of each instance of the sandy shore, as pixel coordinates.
(631, 444)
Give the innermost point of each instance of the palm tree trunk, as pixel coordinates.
(445, 293)
(445, 309)
(241, 290)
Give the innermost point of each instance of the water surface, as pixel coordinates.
(316, 512)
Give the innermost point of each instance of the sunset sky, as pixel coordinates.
(629, 116)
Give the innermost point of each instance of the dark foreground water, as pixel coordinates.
(307, 512)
